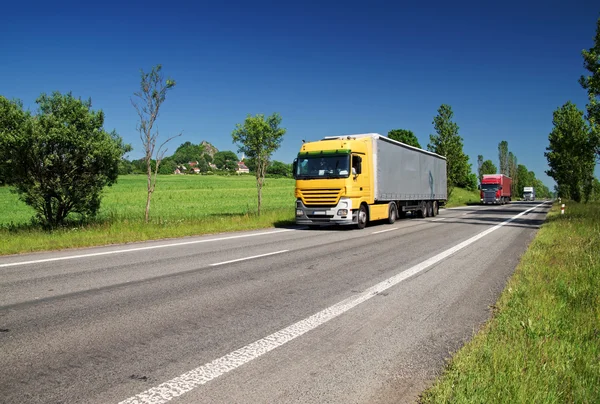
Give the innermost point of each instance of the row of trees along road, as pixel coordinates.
(447, 142)
(574, 143)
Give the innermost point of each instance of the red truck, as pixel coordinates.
(495, 188)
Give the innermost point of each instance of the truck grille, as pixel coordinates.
(321, 197)
(489, 196)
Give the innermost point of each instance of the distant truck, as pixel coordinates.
(354, 179)
(528, 194)
(495, 188)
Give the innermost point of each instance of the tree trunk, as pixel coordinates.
(147, 215)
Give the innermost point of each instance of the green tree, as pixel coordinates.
(448, 143)
(591, 83)
(512, 173)
(525, 179)
(404, 136)
(279, 168)
(60, 159)
(225, 160)
(258, 138)
(487, 167)
(188, 152)
(150, 97)
(503, 157)
(570, 154)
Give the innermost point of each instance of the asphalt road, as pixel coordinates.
(274, 316)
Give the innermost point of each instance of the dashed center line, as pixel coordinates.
(383, 231)
(248, 258)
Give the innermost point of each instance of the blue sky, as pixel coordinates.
(327, 67)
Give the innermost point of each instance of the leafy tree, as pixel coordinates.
(591, 83)
(152, 93)
(225, 160)
(570, 154)
(524, 179)
(188, 152)
(258, 138)
(503, 157)
(512, 173)
(60, 159)
(404, 136)
(202, 164)
(167, 166)
(448, 143)
(279, 168)
(487, 167)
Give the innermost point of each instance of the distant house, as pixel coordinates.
(196, 170)
(212, 166)
(241, 168)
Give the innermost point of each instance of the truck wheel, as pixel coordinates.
(392, 215)
(362, 217)
(429, 209)
(436, 209)
(422, 212)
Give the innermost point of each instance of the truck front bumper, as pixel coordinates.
(341, 214)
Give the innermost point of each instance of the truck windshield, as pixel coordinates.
(489, 187)
(331, 166)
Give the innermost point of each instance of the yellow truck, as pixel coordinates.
(355, 179)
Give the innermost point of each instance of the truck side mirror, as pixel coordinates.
(294, 168)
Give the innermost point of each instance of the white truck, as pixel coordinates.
(528, 194)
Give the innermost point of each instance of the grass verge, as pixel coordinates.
(462, 197)
(543, 341)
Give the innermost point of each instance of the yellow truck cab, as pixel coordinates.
(354, 179)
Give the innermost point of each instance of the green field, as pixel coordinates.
(543, 342)
(182, 205)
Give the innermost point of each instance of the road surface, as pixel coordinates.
(286, 315)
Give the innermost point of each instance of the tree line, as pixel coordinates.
(447, 142)
(574, 148)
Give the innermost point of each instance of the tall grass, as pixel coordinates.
(543, 342)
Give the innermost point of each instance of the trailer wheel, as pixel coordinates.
(362, 217)
(392, 215)
(422, 212)
(435, 209)
(429, 209)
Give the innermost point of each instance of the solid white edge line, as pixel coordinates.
(248, 258)
(438, 219)
(383, 231)
(201, 375)
(70, 257)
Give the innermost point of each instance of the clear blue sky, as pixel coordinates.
(327, 67)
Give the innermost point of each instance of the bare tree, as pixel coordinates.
(152, 93)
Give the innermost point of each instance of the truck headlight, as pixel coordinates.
(342, 212)
(299, 212)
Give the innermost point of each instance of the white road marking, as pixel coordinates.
(70, 257)
(248, 258)
(201, 375)
(383, 231)
(437, 220)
